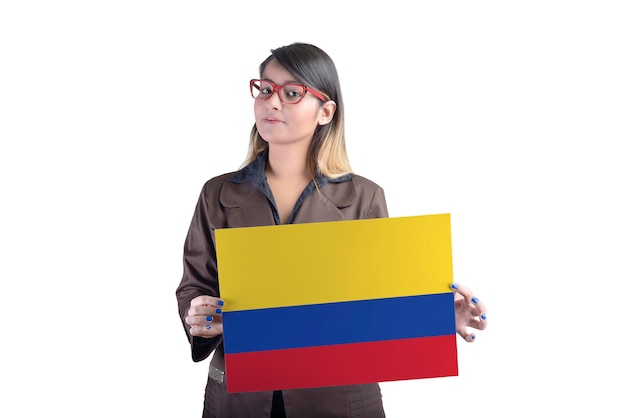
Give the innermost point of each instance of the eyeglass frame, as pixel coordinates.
(276, 89)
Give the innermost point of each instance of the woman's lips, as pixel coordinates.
(272, 120)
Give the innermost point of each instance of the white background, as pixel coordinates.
(510, 116)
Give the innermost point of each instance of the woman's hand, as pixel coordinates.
(469, 310)
(205, 316)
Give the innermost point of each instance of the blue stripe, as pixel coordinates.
(339, 323)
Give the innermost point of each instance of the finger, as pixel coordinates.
(205, 310)
(462, 290)
(206, 331)
(479, 305)
(202, 319)
(458, 288)
(469, 297)
(482, 321)
(206, 300)
(467, 336)
(468, 308)
(478, 322)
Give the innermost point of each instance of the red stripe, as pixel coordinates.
(343, 364)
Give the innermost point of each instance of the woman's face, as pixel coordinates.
(283, 123)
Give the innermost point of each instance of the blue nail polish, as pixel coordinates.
(473, 337)
(220, 302)
(474, 299)
(483, 317)
(208, 327)
(209, 318)
(218, 311)
(454, 286)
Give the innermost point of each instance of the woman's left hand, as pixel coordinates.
(470, 312)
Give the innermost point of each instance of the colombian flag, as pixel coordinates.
(337, 303)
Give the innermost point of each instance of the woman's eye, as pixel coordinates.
(294, 93)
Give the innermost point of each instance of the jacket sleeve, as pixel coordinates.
(199, 272)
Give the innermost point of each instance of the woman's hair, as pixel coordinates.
(314, 68)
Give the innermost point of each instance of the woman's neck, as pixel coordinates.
(288, 163)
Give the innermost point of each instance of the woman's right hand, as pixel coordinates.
(205, 316)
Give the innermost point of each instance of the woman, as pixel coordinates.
(297, 171)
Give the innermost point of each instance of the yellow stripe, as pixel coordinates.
(299, 264)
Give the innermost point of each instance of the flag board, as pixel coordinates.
(337, 303)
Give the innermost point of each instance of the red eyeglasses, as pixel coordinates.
(291, 93)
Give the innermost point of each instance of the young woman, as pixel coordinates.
(297, 171)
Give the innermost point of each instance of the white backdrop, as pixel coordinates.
(510, 116)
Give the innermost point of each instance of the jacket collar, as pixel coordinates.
(339, 191)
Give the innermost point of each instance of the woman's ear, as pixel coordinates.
(326, 112)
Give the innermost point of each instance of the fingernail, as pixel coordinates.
(454, 286)
(218, 310)
(474, 299)
(208, 327)
(473, 337)
(209, 318)
(483, 317)
(220, 302)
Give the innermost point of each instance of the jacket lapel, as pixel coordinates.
(324, 205)
(245, 205)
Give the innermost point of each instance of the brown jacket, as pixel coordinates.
(237, 200)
